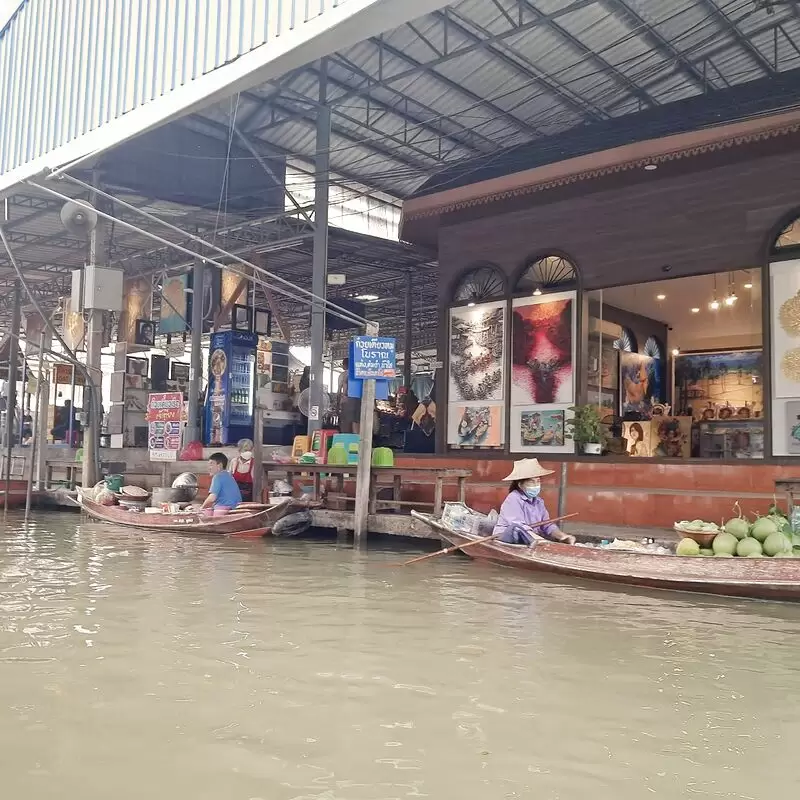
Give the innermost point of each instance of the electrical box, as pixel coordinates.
(98, 288)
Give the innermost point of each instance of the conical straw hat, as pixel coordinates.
(527, 468)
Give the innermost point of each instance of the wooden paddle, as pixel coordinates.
(447, 550)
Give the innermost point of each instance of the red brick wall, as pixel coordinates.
(646, 494)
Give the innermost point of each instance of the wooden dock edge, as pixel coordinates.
(387, 524)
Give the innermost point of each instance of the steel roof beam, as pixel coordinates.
(524, 127)
(488, 146)
(760, 59)
(525, 67)
(637, 91)
(350, 91)
(196, 122)
(648, 32)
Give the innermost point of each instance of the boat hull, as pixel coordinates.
(189, 523)
(760, 578)
(13, 495)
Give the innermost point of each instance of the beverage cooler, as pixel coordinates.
(230, 401)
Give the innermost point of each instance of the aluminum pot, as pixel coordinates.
(168, 494)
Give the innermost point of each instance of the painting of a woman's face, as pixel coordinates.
(637, 434)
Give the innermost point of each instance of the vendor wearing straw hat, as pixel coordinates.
(523, 507)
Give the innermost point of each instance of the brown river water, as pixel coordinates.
(153, 666)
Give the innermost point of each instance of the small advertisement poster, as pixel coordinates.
(164, 422)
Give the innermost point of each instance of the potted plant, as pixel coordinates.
(586, 429)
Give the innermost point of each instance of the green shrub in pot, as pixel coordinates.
(586, 429)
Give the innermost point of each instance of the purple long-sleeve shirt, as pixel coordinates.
(517, 509)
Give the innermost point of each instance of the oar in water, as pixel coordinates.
(452, 549)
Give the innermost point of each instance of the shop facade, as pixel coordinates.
(657, 282)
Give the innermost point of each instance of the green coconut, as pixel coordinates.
(723, 555)
(762, 528)
(687, 547)
(748, 547)
(724, 543)
(706, 551)
(738, 527)
(785, 554)
(776, 543)
(755, 555)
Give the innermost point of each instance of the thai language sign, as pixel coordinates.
(164, 415)
(374, 357)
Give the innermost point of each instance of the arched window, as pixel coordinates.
(626, 342)
(789, 237)
(548, 274)
(480, 284)
(653, 348)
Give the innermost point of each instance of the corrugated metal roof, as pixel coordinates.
(445, 96)
(452, 86)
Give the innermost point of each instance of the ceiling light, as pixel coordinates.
(676, 351)
(651, 167)
(748, 285)
(367, 297)
(695, 310)
(730, 299)
(714, 304)
(661, 297)
(537, 292)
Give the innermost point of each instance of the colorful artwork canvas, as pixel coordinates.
(725, 384)
(174, 305)
(638, 435)
(477, 353)
(670, 437)
(543, 350)
(475, 425)
(640, 385)
(793, 427)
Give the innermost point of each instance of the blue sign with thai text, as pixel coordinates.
(373, 358)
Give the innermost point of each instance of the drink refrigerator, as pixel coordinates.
(230, 401)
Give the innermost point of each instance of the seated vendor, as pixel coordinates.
(242, 468)
(523, 507)
(224, 493)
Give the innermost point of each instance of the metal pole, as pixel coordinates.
(192, 432)
(42, 418)
(409, 336)
(364, 472)
(562, 491)
(35, 437)
(258, 453)
(94, 344)
(320, 258)
(11, 401)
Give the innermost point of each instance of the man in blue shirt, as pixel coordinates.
(224, 493)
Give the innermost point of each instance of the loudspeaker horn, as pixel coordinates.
(78, 219)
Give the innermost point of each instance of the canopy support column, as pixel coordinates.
(320, 258)
(192, 433)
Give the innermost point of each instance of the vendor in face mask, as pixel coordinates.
(242, 469)
(523, 507)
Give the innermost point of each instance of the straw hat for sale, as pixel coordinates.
(526, 469)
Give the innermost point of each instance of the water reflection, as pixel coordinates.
(150, 665)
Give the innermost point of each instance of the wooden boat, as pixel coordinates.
(13, 494)
(251, 517)
(757, 578)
